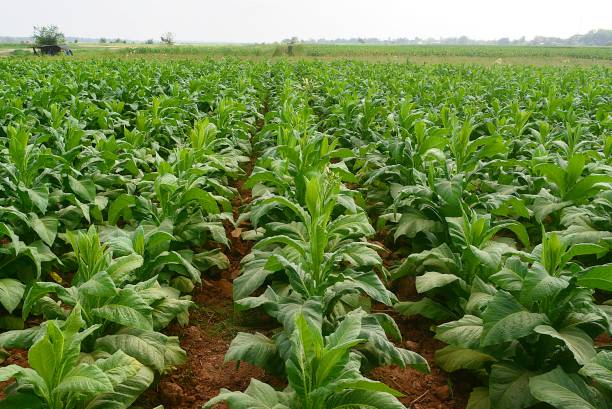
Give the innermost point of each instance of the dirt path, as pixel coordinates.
(213, 325)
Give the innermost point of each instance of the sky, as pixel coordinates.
(274, 20)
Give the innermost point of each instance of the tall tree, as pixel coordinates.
(48, 35)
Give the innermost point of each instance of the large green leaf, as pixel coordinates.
(125, 393)
(152, 349)
(578, 341)
(127, 308)
(597, 277)
(539, 285)
(119, 207)
(253, 275)
(256, 349)
(505, 319)
(509, 387)
(257, 396)
(451, 358)
(85, 189)
(410, 224)
(465, 332)
(11, 293)
(45, 227)
(564, 391)
(600, 369)
(22, 400)
(40, 197)
(122, 266)
(433, 279)
(479, 399)
(85, 379)
(425, 307)
(203, 198)
(363, 399)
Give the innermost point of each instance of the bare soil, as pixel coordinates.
(436, 390)
(206, 340)
(15, 357)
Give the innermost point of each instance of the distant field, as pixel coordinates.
(486, 55)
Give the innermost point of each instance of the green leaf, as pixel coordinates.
(600, 369)
(578, 341)
(256, 349)
(128, 309)
(122, 266)
(85, 379)
(126, 393)
(587, 187)
(203, 198)
(45, 227)
(425, 307)
(100, 285)
(451, 358)
(84, 189)
(310, 310)
(253, 275)
(22, 400)
(506, 320)
(40, 197)
(347, 332)
(509, 387)
(565, 391)
(21, 338)
(539, 285)
(119, 367)
(441, 259)
(479, 399)
(152, 349)
(257, 396)
(465, 332)
(11, 293)
(36, 292)
(410, 224)
(433, 279)
(597, 277)
(379, 350)
(363, 399)
(120, 206)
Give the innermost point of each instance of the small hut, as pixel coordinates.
(52, 49)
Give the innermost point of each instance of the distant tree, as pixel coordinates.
(149, 41)
(291, 42)
(76, 40)
(103, 40)
(48, 35)
(117, 40)
(503, 41)
(167, 38)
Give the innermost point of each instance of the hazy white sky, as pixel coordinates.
(273, 20)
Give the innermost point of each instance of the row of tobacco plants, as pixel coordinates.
(114, 194)
(491, 187)
(494, 189)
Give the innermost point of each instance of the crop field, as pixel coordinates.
(305, 234)
(417, 54)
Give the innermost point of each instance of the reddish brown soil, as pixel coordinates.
(213, 324)
(604, 340)
(206, 340)
(436, 390)
(15, 357)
